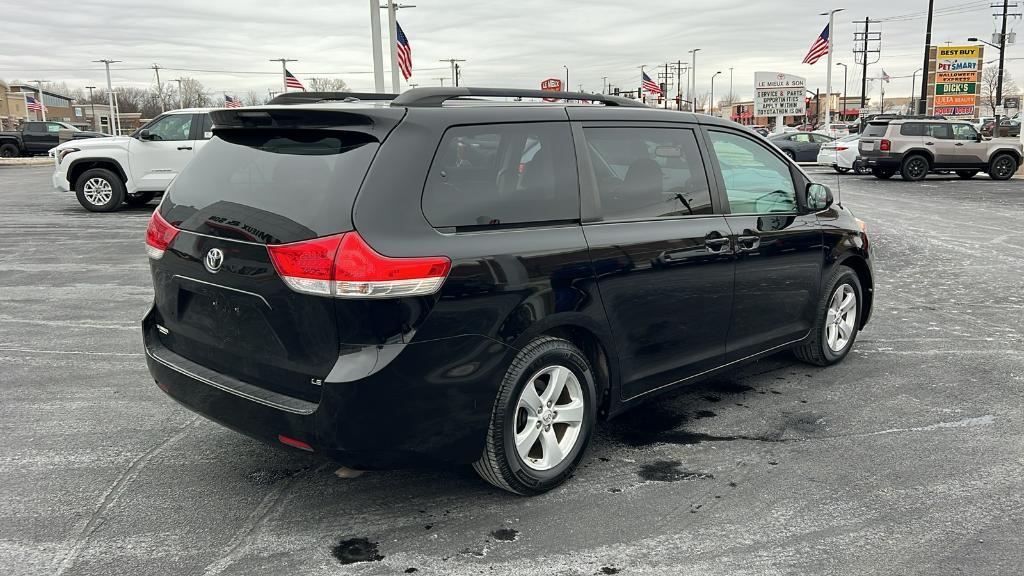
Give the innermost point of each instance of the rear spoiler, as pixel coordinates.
(377, 121)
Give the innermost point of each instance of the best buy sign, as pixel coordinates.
(956, 88)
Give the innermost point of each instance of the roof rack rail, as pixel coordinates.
(434, 97)
(314, 97)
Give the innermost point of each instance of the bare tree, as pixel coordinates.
(193, 93)
(990, 87)
(254, 98)
(321, 84)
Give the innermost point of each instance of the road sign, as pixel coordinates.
(1012, 102)
(779, 94)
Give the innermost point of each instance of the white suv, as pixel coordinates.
(106, 172)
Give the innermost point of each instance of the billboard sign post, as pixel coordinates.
(779, 94)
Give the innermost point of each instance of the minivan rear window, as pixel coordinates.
(503, 174)
(875, 129)
(271, 186)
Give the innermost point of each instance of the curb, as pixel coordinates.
(31, 161)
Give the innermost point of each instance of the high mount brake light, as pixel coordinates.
(159, 235)
(345, 266)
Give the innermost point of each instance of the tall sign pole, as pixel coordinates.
(378, 55)
(114, 120)
(922, 105)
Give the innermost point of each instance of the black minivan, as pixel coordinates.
(453, 275)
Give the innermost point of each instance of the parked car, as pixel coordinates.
(842, 155)
(528, 271)
(37, 137)
(107, 172)
(916, 147)
(1007, 128)
(980, 123)
(760, 131)
(800, 146)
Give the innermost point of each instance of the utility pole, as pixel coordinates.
(455, 71)
(666, 78)
(731, 93)
(284, 70)
(181, 96)
(863, 51)
(378, 56)
(115, 122)
(1002, 61)
(92, 106)
(922, 106)
(679, 84)
(39, 94)
(159, 87)
(392, 8)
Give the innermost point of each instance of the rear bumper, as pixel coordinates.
(416, 406)
(882, 162)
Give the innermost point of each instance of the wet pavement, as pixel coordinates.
(908, 458)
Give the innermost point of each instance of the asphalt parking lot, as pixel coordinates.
(906, 459)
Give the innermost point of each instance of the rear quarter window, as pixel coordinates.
(912, 129)
(875, 129)
(500, 174)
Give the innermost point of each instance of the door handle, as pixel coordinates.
(959, 143)
(184, 147)
(929, 143)
(715, 243)
(748, 242)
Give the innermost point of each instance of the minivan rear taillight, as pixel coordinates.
(159, 235)
(345, 266)
(885, 145)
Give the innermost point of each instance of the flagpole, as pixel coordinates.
(828, 77)
(393, 32)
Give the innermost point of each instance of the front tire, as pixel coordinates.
(882, 173)
(838, 320)
(542, 419)
(1003, 167)
(914, 168)
(790, 154)
(100, 190)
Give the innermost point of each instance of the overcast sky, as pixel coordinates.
(511, 43)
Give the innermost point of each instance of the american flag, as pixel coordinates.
(650, 85)
(291, 81)
(819, 48)
(404, 53)
(32, 104)
(230, 102)
(885, 77)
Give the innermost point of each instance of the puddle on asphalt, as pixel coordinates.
(670, 471)
(352, 550)
(505, 534)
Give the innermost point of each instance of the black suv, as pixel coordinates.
(440, 277)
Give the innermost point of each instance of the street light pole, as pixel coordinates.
(913, 83)
(392, 9)
(566, 76)
(92, 106)
(693, 75)
(181, 97)
(711, 99)
(378, 56)
(844, 88)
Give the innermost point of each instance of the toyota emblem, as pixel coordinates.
(214, 258)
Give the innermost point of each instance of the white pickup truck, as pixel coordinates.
(107, 172)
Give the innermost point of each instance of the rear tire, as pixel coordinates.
(552, 447)
(914, 168)
(860, 168)
(139, 198)
(9, 151)
(790, 155)
(1002, 167)
(967, 174)
(840, 169)
(883, 173)
(835, 329)
(100, 190)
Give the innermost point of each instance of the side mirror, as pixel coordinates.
(145, 135)
(980, 137)
(817, 197)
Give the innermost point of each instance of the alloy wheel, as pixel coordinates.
(917, 168)
(549, 418)
(841, 318)
(97, 191)
(1003, 167)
